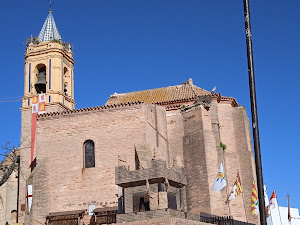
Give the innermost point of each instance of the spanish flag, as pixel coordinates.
(254, 200)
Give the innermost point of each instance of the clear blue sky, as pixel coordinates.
(129, 45)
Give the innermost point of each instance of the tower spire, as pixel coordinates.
(49, 30)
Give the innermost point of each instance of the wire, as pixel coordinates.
(18, 100)
(11, 97)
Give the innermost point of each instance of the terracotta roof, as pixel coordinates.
(187, 90)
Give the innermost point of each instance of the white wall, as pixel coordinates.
(279, 216)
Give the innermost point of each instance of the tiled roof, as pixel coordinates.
(49, 30)
(166, 94)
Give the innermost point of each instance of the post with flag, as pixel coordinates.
(236, 189)
(220, 181)
(273, 201)
(38, 107)
(28, 201)
(266, 200)
(35, 110)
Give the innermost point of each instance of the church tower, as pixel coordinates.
(49, 67)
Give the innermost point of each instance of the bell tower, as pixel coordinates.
(49, 67)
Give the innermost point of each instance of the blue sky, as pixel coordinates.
(122, 46)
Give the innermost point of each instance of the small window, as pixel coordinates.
(89, 154)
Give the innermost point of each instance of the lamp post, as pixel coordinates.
(255, 129)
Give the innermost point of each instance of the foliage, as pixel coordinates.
(11, 160)
(223, 146)
(56, 41)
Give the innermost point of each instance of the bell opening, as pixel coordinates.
(40, 85)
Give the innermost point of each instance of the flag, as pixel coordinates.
(34, 99)
(267, 203)
(220, 181)
(38, 107)
(28, 201)
(42, 108)
(35, 108)
(254, 200)
(42, 97)
(273, 201)
(236, 189)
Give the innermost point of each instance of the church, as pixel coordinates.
(145, 157)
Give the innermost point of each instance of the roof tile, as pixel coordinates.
(166, 94)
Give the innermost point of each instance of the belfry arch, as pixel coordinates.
(40, 81)
(67, 82)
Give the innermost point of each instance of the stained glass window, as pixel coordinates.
(89, 154)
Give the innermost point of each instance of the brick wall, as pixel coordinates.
(25, 152)
(59, 151)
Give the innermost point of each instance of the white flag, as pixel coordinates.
(220, 181)
(266, 196)
(232, 193)
(28, 202)
(273, 201)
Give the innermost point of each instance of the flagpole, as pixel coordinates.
(254, 114)
(278, 209)
(289, 209)
(225, 172)
(229, 211)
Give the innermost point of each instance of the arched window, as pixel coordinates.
(89, 154)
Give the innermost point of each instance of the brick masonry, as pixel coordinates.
(188, 139)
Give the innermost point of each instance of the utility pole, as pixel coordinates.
(260, 186)
(289, 208)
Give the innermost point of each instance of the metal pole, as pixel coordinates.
(18, 193)
(258, 164)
